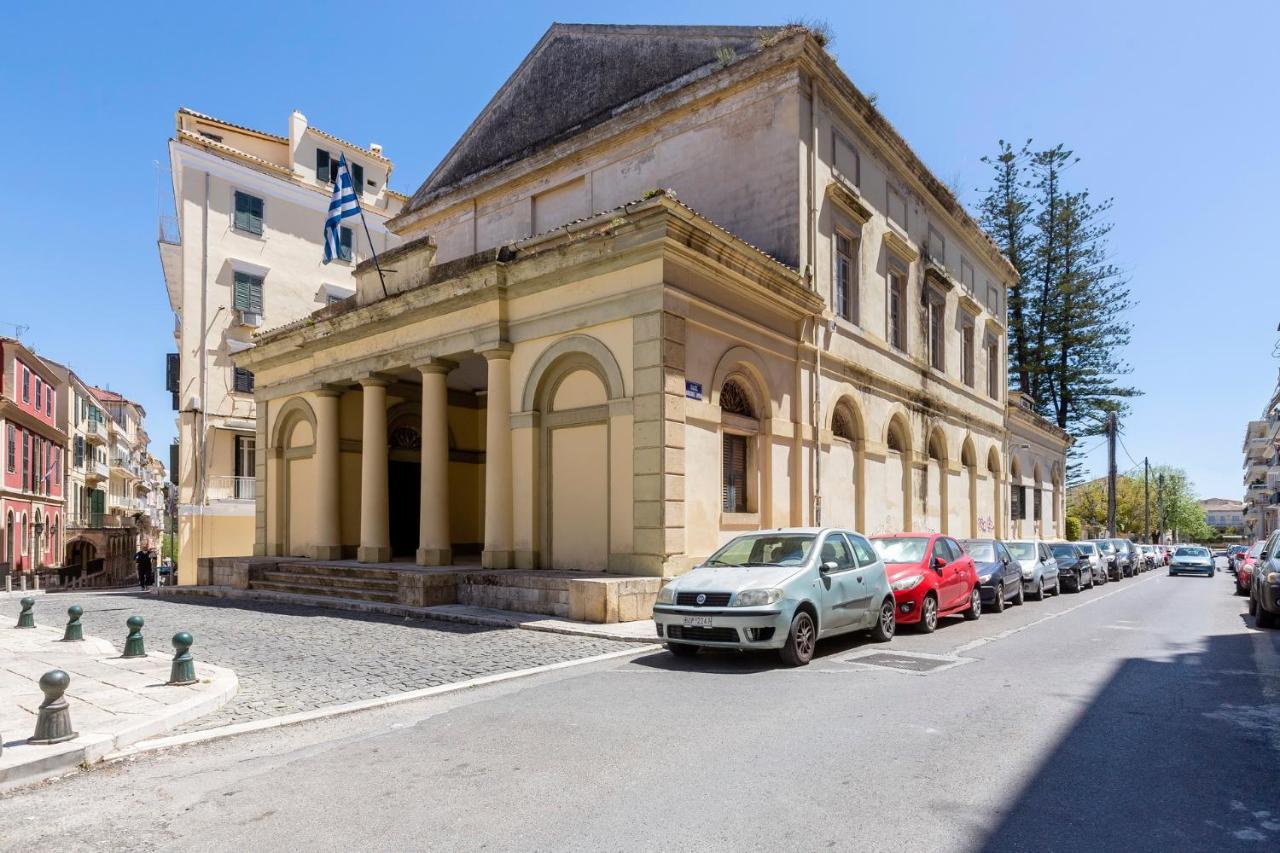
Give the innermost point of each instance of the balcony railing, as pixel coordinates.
(97, 520)
(95, 429)
(232, 488)
(95, 468)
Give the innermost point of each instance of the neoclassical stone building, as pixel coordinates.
(673, 283)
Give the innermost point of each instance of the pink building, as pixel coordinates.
(32, 482)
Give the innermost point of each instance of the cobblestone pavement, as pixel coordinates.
(290, 658)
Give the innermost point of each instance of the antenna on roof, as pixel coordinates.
(18, 329)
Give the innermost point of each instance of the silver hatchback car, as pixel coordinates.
(778, 589)
(1039, 568)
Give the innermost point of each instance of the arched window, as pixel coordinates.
(842, 425)
(895, 441)
(734, 400)
(738, 439)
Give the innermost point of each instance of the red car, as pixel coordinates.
(1244, 568)
(931, 577)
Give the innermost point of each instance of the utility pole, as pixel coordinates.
(1111, 474)
(1146, 498)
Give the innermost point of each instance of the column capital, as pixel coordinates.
(328, 391)
(375, 380)
(435, 365)
(493, 352)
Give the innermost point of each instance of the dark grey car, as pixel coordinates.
(999, 574)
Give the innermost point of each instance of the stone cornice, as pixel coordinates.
(900, 245)
(848, 199)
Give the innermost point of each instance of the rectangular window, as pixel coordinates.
(897, 330)
(78, 451)
(26, 458)
(323, 173)
(735, 473)
(242, 381)
(39, 393)
(937, 333)
(937, 246)
(1036, 495)
(993, 370)
(11, 454)
(357, 178)
(248, 293)
(344, 243)
(1018, 502)
(993, 299)
(896, 208)
(248, 213)
(967, 354)
(845, 295)
(845, 159)
(26, 385)
(966, 275)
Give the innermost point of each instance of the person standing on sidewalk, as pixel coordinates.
(142, 560)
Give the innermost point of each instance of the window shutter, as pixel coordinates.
(735, 474)
(248, 216)
(242, 381)
(344, 239)
(173, 463)
(248, 293)
(255, 215)
(357, 178)
(322, 165)
(172, 368)
(242, 211)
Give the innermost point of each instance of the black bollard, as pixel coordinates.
(54, 723)
(183, 670)
(27, 619)
(133, 644)
(75, 631)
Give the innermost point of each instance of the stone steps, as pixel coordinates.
(300, 588)
(525, 592)
(332, 570)
(288, 576)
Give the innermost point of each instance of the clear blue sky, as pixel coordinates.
(1172, 107)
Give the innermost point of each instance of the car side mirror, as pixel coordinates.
(939, 563)
(830, 566)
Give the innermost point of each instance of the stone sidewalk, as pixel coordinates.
(114, 702)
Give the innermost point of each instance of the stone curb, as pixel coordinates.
(525, 621)
(218, 685)
(362, 705)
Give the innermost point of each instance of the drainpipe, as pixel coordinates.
(200, 490)
(815, 384)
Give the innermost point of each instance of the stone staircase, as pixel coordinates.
(331, 581)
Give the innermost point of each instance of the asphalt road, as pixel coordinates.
(1144, 715)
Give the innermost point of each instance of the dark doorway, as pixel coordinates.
(404, 485)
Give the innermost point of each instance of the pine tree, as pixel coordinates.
(1006, 216)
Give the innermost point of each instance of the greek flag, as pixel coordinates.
(342, 204)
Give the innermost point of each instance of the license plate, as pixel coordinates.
(697, 621)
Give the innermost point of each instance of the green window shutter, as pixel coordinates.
(248, 293)
(344, 241)
(248, 215)
(322, 165)
(242, 211)
(255, 215)
(357, 178)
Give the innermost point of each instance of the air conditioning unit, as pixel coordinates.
(250, 318)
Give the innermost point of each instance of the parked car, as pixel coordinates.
(1111, 555)
(931, 577)
(1152, 555)
(1191, 559)
(1039, 568)
(998, 572)
(1124, 559)
(1244, 565)
(1097, 562)
(779, 589)
(1135, 557)
(1234, 553)
(1264, 585)
(1073, 566)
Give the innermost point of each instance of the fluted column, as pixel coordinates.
(328, 490)
(375, 531)
(433, 521)
(498, 537)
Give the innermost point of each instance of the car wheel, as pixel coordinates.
(1253, 606)
(1039, 595)
(1057, 585)
(1241, 590)
(999, 605)
(1264, 618)
(975, 604)
(887, 623)
(682, 650)
(1021, 598)
(928, 615)
(801, 639)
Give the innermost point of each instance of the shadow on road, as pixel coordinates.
(1176, 755)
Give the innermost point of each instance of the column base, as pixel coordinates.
(434, 557)
(373, 554)
(326, 552)
(498, 559)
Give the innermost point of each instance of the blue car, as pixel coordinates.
(998, 572)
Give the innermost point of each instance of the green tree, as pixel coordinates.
(1007, 216)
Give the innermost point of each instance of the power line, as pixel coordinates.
(1126, 451)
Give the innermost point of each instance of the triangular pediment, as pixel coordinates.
(577, 76)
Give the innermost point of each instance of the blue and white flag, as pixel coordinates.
(342, 205)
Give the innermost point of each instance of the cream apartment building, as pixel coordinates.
(1261, 448)
(634, 318)
(243, 252)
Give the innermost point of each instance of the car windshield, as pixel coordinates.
(1105, 546)
(764, 549)
(1191, 552)
(1256, 550)
(1067, 551)
(1088, 547)
(904, 549)
(982, 552)
(1022, 550)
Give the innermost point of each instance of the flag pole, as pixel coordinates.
(372, 250)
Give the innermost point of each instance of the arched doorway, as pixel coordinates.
(844, 486)
(293, 450)
(992, 523)
(935, 484)
(968, 499)
(897, 469)
(404, 479)
(10, 542)
(1017, 499)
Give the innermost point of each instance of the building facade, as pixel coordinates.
(781, 317)
(31, 489)
(1225, 516)
(244, 250)
(1261, 450)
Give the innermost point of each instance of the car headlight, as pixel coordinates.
(983, 578)
(667, 595)
(1026, 573)
(1273, 577)
(909, 582)
(757, 597)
